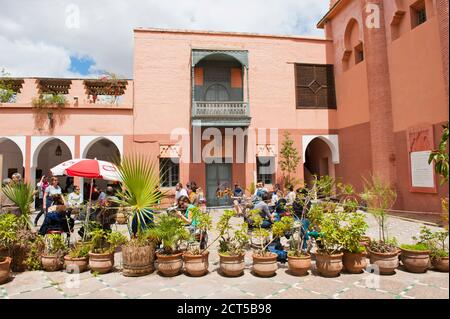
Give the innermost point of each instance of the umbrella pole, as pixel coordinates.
(88, 211)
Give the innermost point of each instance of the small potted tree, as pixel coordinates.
(265, 262)
(380, 197)
(8, 225)
(329, 255)
(103, 246)
(196, 258)
(231, 245)
(435, 243)
(354, 259)
(77, 260)
(170, 232)
(55, 249)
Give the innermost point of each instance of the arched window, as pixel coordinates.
(217, 92)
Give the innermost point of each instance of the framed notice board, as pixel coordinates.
(420, 143)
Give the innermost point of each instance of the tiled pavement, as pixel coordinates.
(402, 285)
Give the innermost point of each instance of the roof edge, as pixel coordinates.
(338, 6)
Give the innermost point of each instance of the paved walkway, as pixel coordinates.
(402, 285)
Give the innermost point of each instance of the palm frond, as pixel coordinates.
(21, 195)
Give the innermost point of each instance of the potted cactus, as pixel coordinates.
(231, 245)
(103, 246)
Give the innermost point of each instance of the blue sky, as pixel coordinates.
(78, 38)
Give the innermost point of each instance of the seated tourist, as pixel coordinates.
(264, 211)
(185, 212)
(57, 217)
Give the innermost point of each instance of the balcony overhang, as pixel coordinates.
(240, 55)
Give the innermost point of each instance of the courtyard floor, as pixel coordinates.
(402, 285)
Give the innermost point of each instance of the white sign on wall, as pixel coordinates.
(422, 174)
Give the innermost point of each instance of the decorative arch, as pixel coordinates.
(86, 143)
(351, 29)
(20, 141)
(240, 56)
(331, 140)
(38, 142)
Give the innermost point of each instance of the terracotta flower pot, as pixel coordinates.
(354, 263)
(265, 266)
(440, 264)
(329, 265)
(5, 269)
(416, 261)
(101, 263)
(169, 265)
(386, 262)
(299, 266)
(76, 265)
(196, 265)
(232, 266)
(138, 261)
(51, 262)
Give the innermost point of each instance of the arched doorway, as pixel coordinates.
(50, 154)
(12, 158)
(102, 149)
(318, 160)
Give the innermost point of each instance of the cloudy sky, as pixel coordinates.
(79, 38)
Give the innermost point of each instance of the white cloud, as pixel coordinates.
(35, 40)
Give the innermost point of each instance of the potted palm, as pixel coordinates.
(170, 232)
(77, 260)
(265, 262)
(55, 249)
(139, 196)
(103, 246)
(354, 259)
(21, 195)
(196, 258)
(329, 255)
(231, 245)
(380, 197)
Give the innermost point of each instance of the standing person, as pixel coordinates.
(290, 197)
(41, 186)
(50, 191)
(180, 191)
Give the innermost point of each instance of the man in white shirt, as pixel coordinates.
(74, 199)
(179, 191)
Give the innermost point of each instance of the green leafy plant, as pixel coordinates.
(80, 250)
(169, 231)
(232, 241)
(7, 93)
(8, 231)
(140, 193)
(22, 196)
(36, 248)
(332, 233)
(380, 197)
(251, 188)
(417, 247)
(106, 242)
(436, 242)
(353, 230)
(279, 229)
(289, 160)
(55, 245)
(348, 199)
(323, 187)
(204, 224)
(46, 101)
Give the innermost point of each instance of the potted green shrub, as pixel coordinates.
(140, 195)
(436, 243)
(265, 262)
(196, 261)
(415, 258)
(231, 245)
(380, 197)
(55, 249)
(103, 246)
(77, 260)
(8, 234)
(354, 259)
(329, 255)
(170, 232)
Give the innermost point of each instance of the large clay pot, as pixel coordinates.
(5, 269)
(169, 265)
(299, 266)
(265, 266)
(196, 265)
(76, 265)
(386, 262)
(51, 262)
(354, 263)
(440, 264)
(138, 261)
(416, 261)
(232, 266)
(101, 263)
(329, 265)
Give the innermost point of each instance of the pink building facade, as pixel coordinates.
(213, 107)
